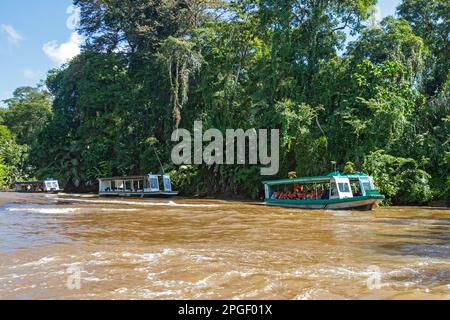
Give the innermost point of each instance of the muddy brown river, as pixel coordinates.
(79, 247)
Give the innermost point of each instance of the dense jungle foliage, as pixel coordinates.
(371, 96)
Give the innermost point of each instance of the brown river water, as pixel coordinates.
(79, 247)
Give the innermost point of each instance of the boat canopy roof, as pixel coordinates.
(317, 179)
(124, 178)
(21, 183)
(28, 182)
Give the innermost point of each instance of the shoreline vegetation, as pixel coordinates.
(378, 103)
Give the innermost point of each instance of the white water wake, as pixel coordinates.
(153, 204)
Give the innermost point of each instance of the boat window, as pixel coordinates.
(334, 191)
(344, 187)
(154, 183)
(366, 185)
(356, 188)
(167, 184)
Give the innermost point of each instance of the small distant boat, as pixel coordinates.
(333, 192)
(45, 186)
(137, 186)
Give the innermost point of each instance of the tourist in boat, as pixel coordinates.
(302, 193)
(325, 194)
(357, 192)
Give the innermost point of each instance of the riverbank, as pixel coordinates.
(440, 204)
(13, 197)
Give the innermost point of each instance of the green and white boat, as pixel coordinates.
(333, 192)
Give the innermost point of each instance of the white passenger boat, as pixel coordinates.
(137, 186)
(43, 186)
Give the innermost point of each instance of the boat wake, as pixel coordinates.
(44, 210)
(153, 204)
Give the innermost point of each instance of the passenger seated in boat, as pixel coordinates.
(357, 192)
(274, 195)
(325, 195)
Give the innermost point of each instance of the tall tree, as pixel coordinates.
(12, 159)
(430, 19)
(29, 110)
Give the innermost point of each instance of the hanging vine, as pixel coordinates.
(181, 62)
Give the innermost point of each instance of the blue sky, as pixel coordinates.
(25, 27)
(36, 36)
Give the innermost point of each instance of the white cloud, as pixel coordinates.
(378, 14)
(65, 51)
(73, 22)
(12, 35)
(375, 17)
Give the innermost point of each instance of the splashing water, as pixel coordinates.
(204, 249)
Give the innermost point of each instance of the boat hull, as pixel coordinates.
(163, 194)
(355, 203)
(46, 192)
